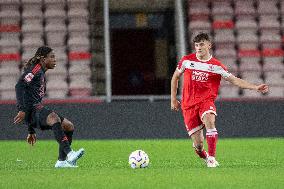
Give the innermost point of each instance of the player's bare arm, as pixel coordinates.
(174, 85)
(19, 117)
(263, 88)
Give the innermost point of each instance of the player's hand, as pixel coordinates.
(19, 117)
(31, 139)
(263, 88)
(175, 105)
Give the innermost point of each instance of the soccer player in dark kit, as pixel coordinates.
(30, 90)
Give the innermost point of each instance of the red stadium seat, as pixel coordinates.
(79, 55)
(249, 53)
(223, 24)
(11, 56)
(10, 28)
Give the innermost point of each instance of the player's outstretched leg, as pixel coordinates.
(64, 146)
(68, 129)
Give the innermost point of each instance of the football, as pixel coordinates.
(138, 159)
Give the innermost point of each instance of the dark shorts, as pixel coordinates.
(37, 117)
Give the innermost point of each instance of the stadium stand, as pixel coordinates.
(247, 38)
(61, 24)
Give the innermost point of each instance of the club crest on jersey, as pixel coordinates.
(210, 68)
(28, 78)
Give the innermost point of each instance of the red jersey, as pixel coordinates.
(201, 79)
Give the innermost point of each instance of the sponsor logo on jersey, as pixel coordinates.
(199, 76)
(28, 78)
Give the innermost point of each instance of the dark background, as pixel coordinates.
(144, 119)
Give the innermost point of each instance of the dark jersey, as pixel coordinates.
(30, 88)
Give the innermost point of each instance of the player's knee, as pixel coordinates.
(52, 118)
(67, 125)
(198, 146)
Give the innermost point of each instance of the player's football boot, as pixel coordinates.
(73, 156)
(211, 162)
(64, 164)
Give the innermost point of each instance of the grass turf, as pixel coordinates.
(244, 163)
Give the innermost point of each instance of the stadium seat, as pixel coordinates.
(32, 25)
(267, 7)
(32, 41)
(229, 91)
(32, 2)
(270, 39)
(10, 2)
(275, 78)
(222, 10)
(80, 85)
(78, 13)
(230, 63)
(246, 24)
(244, 9)
(253, 77)
(247, 40)
(60, 53)
(222, 24)
(198, 10)
(276, 91)
(78, 25)
(273, 64)
(28, 53)
(7, 87)
(55, 38)
(54, 13)
(59, 70)
(80, 67)
(199, 25)
(9, 68)
(224, 36)
(251, 94)
(10, 42)
(55, 25)
(57, 86)
(269, 22)
(250, 64)
(78, 43)
(32, 11)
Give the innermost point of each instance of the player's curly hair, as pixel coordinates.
(201, 37)
(41, 52)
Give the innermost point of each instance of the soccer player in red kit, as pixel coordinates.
(202, 75)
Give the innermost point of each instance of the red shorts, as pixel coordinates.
(193, 116)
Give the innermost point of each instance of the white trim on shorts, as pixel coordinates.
(195, 129)
(208, 111)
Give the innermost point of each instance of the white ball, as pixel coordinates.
(138, 159)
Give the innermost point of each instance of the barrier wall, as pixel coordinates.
(144, 119)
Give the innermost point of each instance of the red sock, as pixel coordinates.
(211, 138)
(202, 154)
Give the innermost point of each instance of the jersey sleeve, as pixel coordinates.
(20, 88)
(181, 65)
(224, 71)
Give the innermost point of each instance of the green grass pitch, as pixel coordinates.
(244, 163)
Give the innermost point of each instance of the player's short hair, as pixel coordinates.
(201, 37)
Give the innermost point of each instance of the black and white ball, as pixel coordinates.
(138, 159)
